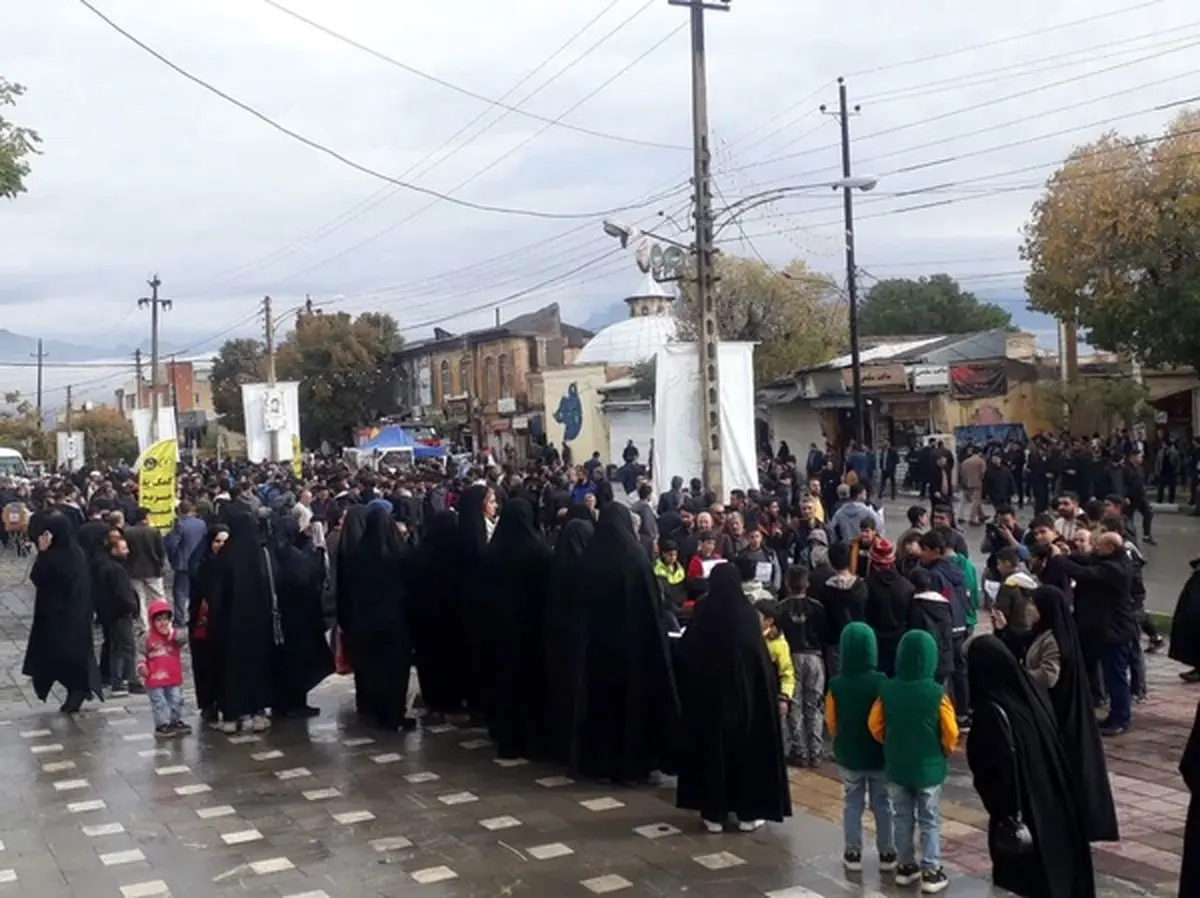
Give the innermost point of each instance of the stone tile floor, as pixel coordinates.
(95, 807)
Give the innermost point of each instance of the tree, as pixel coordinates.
(237, 362)
(794, 315)
(107, 436)
(20, 428)
(1112, 244)
(1094, 405)
(17, 144)
(927, 305)
(344, 368)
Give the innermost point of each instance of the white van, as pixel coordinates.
(12, 464)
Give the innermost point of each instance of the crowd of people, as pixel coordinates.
(624, 634)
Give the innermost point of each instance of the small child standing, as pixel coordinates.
(852, 695)
(914, 720)
(781, 658)
(802, 620)
(161, 669)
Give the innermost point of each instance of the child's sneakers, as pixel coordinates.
(933, 881)
(852, 860)
(164, 732)
(179, 728)
(908, 874)
(887, 861)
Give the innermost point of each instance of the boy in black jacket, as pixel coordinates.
(804, 625)
(117, 609)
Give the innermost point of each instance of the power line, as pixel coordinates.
(495, 103)
(384, 193)
(334, 154)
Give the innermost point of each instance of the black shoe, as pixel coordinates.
(1155, 644)
(933, 881)
(907, 874)
(887, 862)
(1112, 730)
(1191, 676)
(852, 860)
(1149, 540)
(118, 690)
(136, 689)
(964, 722)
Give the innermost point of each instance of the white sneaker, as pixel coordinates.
(713, 827)
(260, 724)
(749, 826)
(228, 727)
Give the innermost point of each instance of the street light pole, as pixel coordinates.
(844, 112)
(710, 392)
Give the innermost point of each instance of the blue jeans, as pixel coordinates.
(918, 808)
(181, 591)
(166, 704)
(856, 784)
(1115, 662)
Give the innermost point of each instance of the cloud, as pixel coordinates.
(144, 171)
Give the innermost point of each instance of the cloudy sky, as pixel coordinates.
(144, 170)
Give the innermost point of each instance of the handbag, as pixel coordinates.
(1011, 835)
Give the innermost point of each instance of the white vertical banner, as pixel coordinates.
(166, 426)
(271, 413)
(71, 450)
(677, 415)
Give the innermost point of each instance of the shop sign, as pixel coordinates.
(877, 377)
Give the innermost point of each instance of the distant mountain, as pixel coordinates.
(602, 318)
(20, 348)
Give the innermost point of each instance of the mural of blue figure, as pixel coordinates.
(570, 414)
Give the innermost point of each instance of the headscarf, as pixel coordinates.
(573, 539)
(472, 530)
(516, 532)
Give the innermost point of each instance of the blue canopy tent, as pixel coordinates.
(395, 437)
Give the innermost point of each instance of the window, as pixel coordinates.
(447, 386)
(491, 389)
(464, 376)
(506, 387)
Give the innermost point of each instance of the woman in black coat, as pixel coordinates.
(205, 569)
(1036, 831)
(435, 618)
(1189, 767)
(60, 647)
(733, 745)
(562, 639)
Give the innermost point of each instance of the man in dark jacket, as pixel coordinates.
(1135, 494)
(1106, 619)
(187, 535)
(889, 595)
(116, 609)
(147, 557)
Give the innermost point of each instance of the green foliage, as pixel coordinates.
(237, 362)
(344, 368)
(17, 144)
(645, 376)
(927, 305)
(795, 315)
(1114, 244)
(1094, 404)
(19, 428)
(107, 436)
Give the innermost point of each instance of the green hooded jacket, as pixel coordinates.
(971, 584)
(854, 691)
(912, 745)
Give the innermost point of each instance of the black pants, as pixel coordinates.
(960, 692)
(1141, 505)
(1166, 487)
(117, 652)
(1092, 651)
(1019, 477)
(886, 477)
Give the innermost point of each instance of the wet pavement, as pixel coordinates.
(93, 807)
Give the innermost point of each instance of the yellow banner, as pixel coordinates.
(156, 483)
(297, 457)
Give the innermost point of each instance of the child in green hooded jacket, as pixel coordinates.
(914, 720)
(852, 694)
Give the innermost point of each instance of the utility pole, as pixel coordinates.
(137, 368)
(843, 114)
(710, 392)
(69, 404)
(269, 332)
(40, 355)
(155, 303)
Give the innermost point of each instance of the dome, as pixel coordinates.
(628, 342)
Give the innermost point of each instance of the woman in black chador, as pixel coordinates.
(60, 645)
(467, 584)
(1036, 830)
(517, 566)
(1189, 766)
(378, 632)
(435, 618)
(628, 710)
(732, 762)
(206, 567)
(562, 638)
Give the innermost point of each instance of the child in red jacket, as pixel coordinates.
(161, 670)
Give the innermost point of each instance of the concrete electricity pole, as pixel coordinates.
(843, 115)
(710, 391)
(137, 380)
(269, 329)
(155, 303)
(40, 355)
